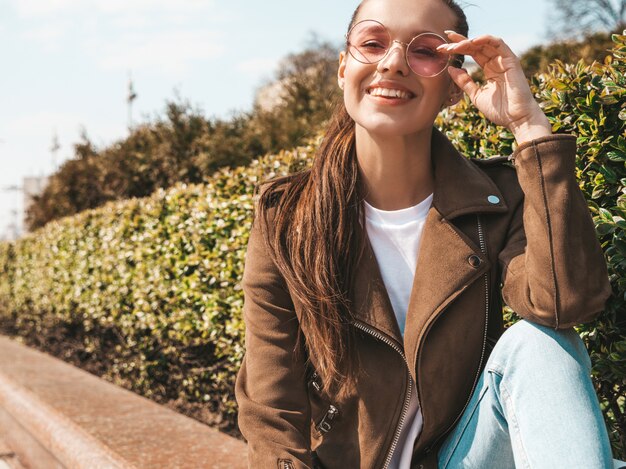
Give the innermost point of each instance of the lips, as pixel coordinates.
(390, 91)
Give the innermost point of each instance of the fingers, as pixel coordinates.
(464, 81)
(481, 59)
(482, 48)
(454, 35)
(495, 42)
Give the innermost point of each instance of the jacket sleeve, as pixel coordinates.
(553, 268)
(274, 410)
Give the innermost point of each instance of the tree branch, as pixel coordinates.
(581, 16)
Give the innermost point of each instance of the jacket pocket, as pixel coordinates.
(323, 412)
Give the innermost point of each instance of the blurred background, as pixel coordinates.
(88, 71)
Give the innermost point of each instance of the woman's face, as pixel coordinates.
(424, 97)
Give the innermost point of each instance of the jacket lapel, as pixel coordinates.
(443, 270)
(372, 303)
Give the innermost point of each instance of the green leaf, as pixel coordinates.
(605, 229)
(616, 156)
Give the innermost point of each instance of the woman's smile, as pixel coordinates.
(389, 93)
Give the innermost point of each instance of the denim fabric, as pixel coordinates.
(534, 407)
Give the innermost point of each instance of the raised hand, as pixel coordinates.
(505, 98)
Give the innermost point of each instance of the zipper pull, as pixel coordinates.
(285, 464)
(325, 424)
(314, 382)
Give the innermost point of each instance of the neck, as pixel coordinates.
(396, 172)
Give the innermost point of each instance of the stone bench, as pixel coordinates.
(54, 415)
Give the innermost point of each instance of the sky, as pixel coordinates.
(66, 64)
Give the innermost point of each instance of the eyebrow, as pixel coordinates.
(417, 33)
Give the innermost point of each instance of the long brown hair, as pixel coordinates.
(317, 242)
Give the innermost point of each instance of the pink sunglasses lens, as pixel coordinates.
(369, 41)
(424, 59)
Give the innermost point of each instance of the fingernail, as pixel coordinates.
(449, 31)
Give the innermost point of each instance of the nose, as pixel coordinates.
(395, 60)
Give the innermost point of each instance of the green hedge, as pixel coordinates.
(146, 291)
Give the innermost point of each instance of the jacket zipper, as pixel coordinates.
(483, 248)
(407, 397)
(325, 424)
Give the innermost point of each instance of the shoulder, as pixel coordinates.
(494, 161)
(274, 192)
(501, 170)
(270, 216)
(275, 200)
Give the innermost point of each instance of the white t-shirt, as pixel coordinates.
(395, 238)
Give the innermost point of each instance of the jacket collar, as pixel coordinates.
(460, 186)
(442, 268)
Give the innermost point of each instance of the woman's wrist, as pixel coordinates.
(531, 129)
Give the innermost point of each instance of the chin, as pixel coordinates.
(392, 128)
(391, 123)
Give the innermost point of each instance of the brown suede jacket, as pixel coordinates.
(518, 223)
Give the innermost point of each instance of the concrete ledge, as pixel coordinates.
(55, 415)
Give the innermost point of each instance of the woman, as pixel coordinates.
(372, 281)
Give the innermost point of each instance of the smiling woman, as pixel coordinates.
(373, 280)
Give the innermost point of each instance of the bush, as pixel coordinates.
(188, 147)
(594, 47)
(145, 292)
(182, 147)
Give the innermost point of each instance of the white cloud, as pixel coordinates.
(168, 51)
(520, 43)
(41, 123)
(132, 22)
(126, 6)
(47, 34)
(30, 8)
(42, 7)
(28, 139)
(258, 66)
(123, 34)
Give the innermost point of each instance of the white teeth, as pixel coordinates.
(389, 93)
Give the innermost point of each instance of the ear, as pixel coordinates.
(454, 94)
(341, 70)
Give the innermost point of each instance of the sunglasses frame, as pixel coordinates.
(456, 61)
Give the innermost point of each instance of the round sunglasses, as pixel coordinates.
(369, 42)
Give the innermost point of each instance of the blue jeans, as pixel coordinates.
(534, 407)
